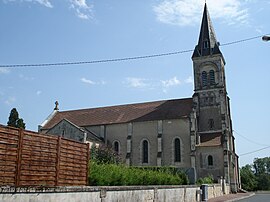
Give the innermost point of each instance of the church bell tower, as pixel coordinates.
(215, 152)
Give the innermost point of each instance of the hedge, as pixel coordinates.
(121, 175)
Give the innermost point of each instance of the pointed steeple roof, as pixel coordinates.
(207, 44)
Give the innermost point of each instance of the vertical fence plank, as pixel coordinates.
(87, 166)
(19, 158)
(59, 140)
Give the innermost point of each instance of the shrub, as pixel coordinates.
(206, 180)
(104, 154)
(121, 175)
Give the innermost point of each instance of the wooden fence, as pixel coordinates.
(31, 159)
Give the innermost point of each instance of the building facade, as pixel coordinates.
(194, 134)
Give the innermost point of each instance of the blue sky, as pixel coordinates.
(49, 31)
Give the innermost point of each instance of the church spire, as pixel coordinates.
(207, 44)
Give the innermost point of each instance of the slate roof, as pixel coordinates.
(207, 34)
(148, 111)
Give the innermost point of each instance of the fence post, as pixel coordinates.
(87, 163)
(19, 158)
(58, 160)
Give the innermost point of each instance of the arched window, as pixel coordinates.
(177, 150)
(204, 78)
(212, 77)
(116, 147)
(145, 151)
(210, 160)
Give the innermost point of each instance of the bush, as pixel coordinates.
(121, 175)
(206, 180)
(105, 155)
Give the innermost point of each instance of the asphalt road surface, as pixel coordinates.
(258, 197)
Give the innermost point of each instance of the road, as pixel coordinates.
(258, 197)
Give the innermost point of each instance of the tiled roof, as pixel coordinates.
(148, 111)
(211, 139)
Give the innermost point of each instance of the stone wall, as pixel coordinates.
(108, 194)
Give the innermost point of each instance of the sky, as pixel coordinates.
(50, 31)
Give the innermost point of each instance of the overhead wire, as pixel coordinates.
(118, 59)
(255, 151)
(252, 141)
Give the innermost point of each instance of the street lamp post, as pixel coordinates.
(266, 38)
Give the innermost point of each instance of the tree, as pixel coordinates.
(14, 119)
(262, 172)
(248, 179)
(263, 181)
(262, 165)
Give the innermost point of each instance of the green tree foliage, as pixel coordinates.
(248, 179)
(14, 119)
(257, 178)
(263, 181)
(262, 165)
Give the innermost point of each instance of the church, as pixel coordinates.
(194, 134)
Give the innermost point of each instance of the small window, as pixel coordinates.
(177, 150)
(206, 44)
(210, 160)
(211, 124)
(145, 151)
(212, 77)
(116, 147)
(204, 78)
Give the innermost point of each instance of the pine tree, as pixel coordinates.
(14, 119)
(20, 123)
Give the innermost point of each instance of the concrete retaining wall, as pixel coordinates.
(108, 194)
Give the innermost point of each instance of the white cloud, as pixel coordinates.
(4, 70)
(83, 9)
(46, 3)
(26, 78)
(10, 100)
(171, 82)
(189, 79)
(166, 84)
(136, 82)
(38, 92)
(189, 12)
(88, 81)
(102, 82)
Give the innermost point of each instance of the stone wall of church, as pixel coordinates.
(118, 132)
(144, 131)
(178, 128)
(96, 130)
(202, 162)
(67, 130)
(160, 136)
(206, 114)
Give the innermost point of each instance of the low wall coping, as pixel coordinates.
(13, 190)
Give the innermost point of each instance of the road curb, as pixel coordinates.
(241, 198)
